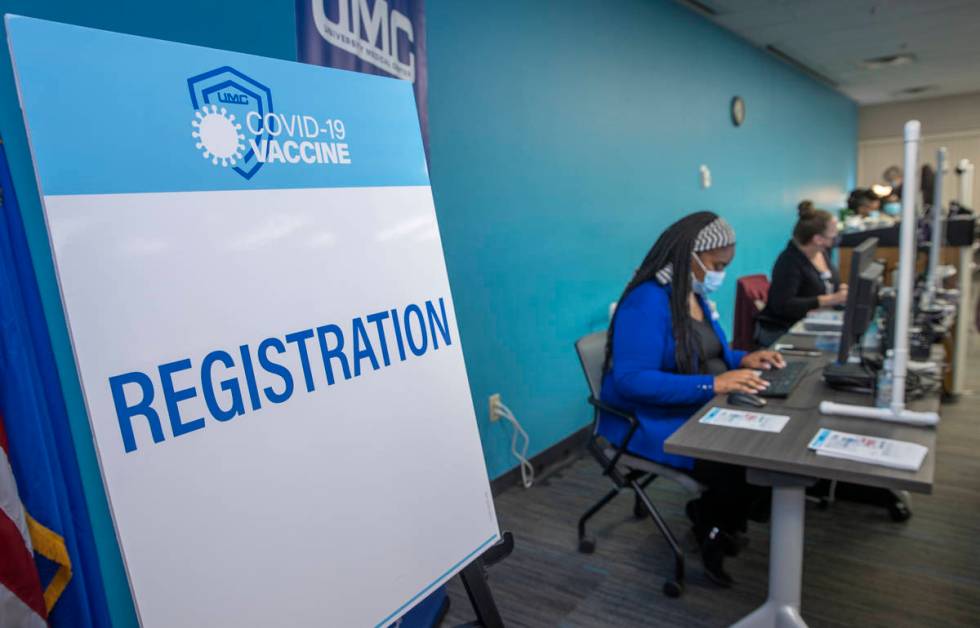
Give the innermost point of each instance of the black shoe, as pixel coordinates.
(713, 557)
(734, 544)
(732, 548)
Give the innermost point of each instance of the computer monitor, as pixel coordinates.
(862, 300)
(862, 255)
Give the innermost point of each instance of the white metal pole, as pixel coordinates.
(964, 319)
(965, 170)
(903, 306)
(932, 282)
(906, 264)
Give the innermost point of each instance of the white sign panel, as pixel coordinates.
(254, 283)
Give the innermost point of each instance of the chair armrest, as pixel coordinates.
(628, 416)
(605, 407)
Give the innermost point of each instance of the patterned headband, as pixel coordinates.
(717, 234)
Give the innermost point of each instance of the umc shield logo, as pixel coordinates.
(222, 98)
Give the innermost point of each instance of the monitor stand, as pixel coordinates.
(848, 375)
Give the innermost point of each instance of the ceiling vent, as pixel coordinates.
(887, 61)
(918, 89)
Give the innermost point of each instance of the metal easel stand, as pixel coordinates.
(474, 578)
(897, 412)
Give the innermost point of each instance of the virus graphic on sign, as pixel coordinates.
(222, 100)
(218, 136)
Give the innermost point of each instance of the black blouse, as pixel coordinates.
(796, 284)
(712, 353)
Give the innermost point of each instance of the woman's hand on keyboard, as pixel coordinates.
(763, 360)
(740, 380)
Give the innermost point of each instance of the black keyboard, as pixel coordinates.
(783, 381)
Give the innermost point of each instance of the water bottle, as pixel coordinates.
(883, 388)
(871, 341)
(827, 342)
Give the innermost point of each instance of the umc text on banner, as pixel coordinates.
(384, 37)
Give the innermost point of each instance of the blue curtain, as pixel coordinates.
(427, 613)
(42, 452)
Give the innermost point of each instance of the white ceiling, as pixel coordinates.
(833, 37)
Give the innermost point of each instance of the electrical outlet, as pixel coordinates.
(494, 400)
(705, 176)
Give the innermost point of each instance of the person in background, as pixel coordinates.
(863, 202)
(891, 203)
(927, 184)
(667, 355)
(892, 208)
(893, 177)
(804, 277)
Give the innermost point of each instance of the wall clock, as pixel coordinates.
(738, 111)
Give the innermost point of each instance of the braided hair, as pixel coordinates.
(669, 261)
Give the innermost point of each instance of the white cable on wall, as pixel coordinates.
(527, 470)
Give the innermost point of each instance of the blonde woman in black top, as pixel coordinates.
(804, 277)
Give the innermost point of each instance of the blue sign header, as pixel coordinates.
(112, 113)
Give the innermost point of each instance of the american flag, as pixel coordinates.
(21, 598)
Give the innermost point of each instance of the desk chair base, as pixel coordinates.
(637, 481)
(899, 508)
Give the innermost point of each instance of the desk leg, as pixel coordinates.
(782, 606)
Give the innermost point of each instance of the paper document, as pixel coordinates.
(896, 454)
(827, 316)
(745, 420)
(824, 320)
(801, 328)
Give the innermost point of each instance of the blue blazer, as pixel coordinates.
(644, 379)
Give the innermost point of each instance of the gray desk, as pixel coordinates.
(783, 461)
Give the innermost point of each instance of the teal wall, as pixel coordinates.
(564, 137)
(263, 27)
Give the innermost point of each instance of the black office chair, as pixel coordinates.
(626, 470)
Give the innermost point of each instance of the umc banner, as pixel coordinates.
(384, 37)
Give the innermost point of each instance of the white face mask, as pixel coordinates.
(713, 279)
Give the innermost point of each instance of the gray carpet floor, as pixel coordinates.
(860, 568)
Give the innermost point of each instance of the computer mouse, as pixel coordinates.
(745, 399)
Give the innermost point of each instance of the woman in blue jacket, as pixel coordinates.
(667, 356)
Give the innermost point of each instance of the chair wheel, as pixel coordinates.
(638, 511)
(673, 588)
(899, 511)
(586, 545)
